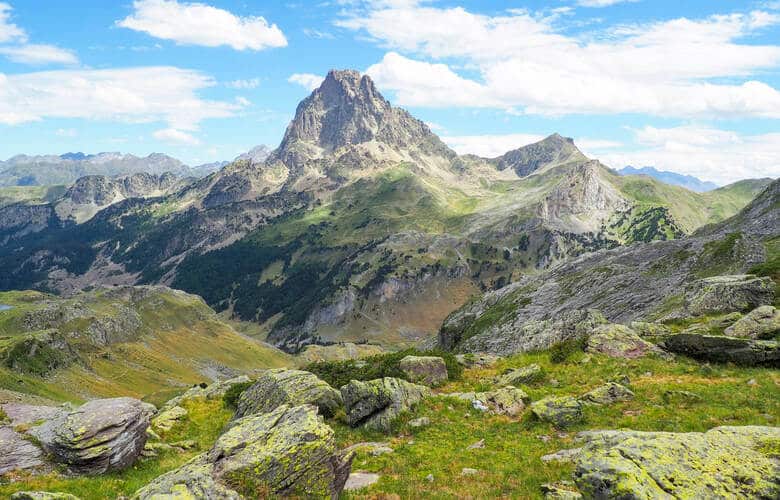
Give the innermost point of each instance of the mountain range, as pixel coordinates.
(361, 225)
(687, 181)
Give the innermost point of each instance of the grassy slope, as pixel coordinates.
(509, 465)
(180, 337)
(31, 194)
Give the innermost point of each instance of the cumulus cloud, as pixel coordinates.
(201, 24)
(251, 83)
(601, 3)
(39, 54)
(722, 156)
(136, 95)
(676, 68)
(308, 81)
(176, 136)
(8, 30)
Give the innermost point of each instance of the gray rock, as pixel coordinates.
(607, 394)
(720, 294)
(420, 422)
(17, 453)
(42, 495)
(291, 387)
(166, 419)
(477, 359)
(468, 471)
(721, 349)
(760, 323)
(360, 480)
(24, 414)
(522, 375)
(561, 411)
(561, 490)
(567, 455)
(725, 462)
(195, 479)
(645, 329)
(425, 370)
(508, 400)
(377, 403)
(99, 436)
(619, 341)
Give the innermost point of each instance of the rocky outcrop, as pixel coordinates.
(99, 436)
(425, 370)
(375, 404)
(509, 401)
(721, 294)
(619, 341)
(760, 323)
(721, 349)
(551, 151)
(287, 452)
(522, 375)
(561, 411)
(725, 462)
(291, 387)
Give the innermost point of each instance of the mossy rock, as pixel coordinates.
(607, 394)
(426, 370)
(620, 341)
(523, 375)
(725, 462)
(760, 323)
(508, 400)
(291, 387)
(561, 411)
(377, 403)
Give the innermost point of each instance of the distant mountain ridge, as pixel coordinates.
(687, 181)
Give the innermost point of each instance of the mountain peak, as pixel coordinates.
(552, 150)
(348, 110)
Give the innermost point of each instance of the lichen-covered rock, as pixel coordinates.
(17, 453)
(561, 490)
(720, 294)
(193, 480)
(721, 349)
(99, 436)
(619, 341)
(289, 451)
(215, 390)
(426, 370)
(645, 329)
(760, 323)
(291, 387)
(561, 411)
(376, 403)
(607, 394)
(522, 375)
(42, 495)
(477, 359)
(725, 462)
(509, 401)
(166, 419)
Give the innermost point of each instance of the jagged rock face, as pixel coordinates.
(725, 462)
(100, 436)
(728, 293)
(292, 387)
(554, 150)
(346, 110)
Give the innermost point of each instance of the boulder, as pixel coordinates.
(522, 375)
(644, 329)
(607, 394)
(99, 436)
(166, 419)
(509, 401)
(376, 403)
(360, 480)
(425, 370)
(215, 390)
(725, 462)
(619, 341)
(561, 411)
(721, 349)
(42, 495)
(289, 451)
(291, 387)
(720, 294)
(17, 453)
(760, 323)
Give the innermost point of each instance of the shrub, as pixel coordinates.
(339, 373)
(230, 398)
(562, 351)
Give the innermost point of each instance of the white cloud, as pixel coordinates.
(176, 136)
(676, 68)
(722, 156)
(136, 95)
(9, 31)
(306, 80)
(66, 132)
(601, 3)
(243, 101)
(39, 54)
(490, 146)
(251, 83)
(201, 24)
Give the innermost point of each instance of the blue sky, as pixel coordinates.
(689, 86)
